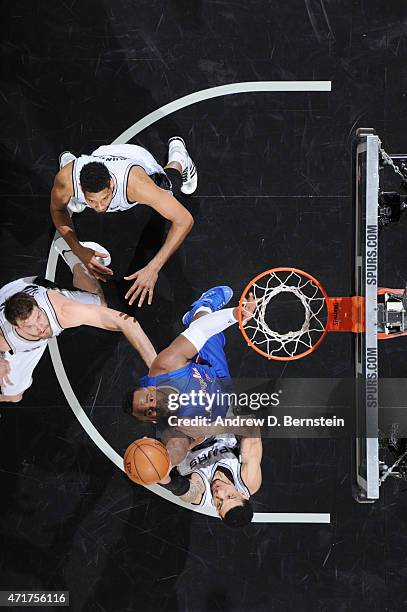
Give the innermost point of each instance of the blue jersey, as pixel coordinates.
(196, 377)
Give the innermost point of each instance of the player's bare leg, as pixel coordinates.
(82, 279)
(11, 398)
(175, 165)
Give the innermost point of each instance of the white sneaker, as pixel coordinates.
(189, 174)
(105, 261)
(63, 249)
(65, 157)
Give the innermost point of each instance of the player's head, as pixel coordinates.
(141, 403)
(147, 403)
(233, 507)
(22, 311)
(96, 184)
(239, 516)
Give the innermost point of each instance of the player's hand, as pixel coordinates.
(248, 309)
(144, 283)
(89, 258)
(4, 372)
(167, 477)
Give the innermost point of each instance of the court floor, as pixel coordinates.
(274, 190)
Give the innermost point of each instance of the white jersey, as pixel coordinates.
(25, 354)
(213, 453)
(119, 160)
(16, 342)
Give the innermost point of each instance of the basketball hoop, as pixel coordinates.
(322, 314)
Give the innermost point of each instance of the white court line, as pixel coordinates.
(291, 517)
(215, 92)
(101, 443)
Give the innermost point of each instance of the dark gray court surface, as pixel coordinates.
(275, 190)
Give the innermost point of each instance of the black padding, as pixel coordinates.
(179, 485)
(176, 180)
(41, 281)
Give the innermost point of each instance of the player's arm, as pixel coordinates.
(4, 346)
(73, 314)
(5, 367)
(195, 491)
(190, 342)
(189, 488)
(251, 450)
(61, 193)
(141, 188)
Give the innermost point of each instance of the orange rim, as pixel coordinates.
(243, 298)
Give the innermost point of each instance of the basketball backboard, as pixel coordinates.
(278, 338)
(365, 165)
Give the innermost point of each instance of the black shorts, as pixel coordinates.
(170, 181)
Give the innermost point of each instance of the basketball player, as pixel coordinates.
(115, 178)
(193, 363)
(33, 310)
(220, 473)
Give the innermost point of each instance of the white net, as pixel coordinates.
(291, 344)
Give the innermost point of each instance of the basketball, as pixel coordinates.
(146, 461)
